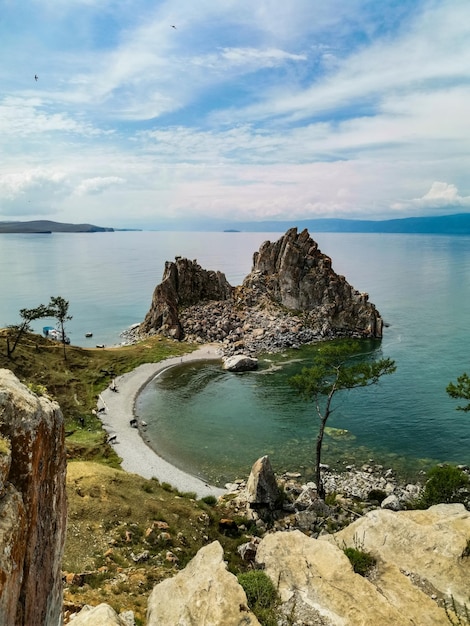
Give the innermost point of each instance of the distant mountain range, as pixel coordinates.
(458, 224)
(46, 226)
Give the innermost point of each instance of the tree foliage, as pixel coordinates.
(28, 316)
(445, 484)
(337, 366)
(460, 391)
(57, 308)
(60, 310)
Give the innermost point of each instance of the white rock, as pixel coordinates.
(240, 363)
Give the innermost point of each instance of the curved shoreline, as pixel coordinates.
(137, 457)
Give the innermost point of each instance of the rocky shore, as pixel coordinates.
(288, 503)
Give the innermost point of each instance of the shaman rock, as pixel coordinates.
(291, 297)
(32, 506)
(204, 593)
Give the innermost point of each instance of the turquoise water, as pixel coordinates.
(216, 424)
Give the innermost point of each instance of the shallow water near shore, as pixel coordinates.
(215, 424)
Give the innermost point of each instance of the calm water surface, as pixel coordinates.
(216, 424)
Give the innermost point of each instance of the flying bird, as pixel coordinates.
(173, 26)
(36, 77)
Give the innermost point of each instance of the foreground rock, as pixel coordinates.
(32, 505)
(204, 593)
(291, 297)
(419, 569)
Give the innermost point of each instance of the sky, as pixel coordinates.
(149, 112)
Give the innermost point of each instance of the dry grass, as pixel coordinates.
(115, 518)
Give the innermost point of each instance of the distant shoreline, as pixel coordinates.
(455, 224)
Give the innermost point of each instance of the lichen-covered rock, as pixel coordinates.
(33, 511)
(203, 594)
(5, 462)
(13, 531)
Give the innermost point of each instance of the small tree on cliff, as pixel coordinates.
(28, 316)
(60, 310)
(337, 366)
(460, 390)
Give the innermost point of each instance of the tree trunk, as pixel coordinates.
(318, 478)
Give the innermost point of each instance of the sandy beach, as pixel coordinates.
(137, 457)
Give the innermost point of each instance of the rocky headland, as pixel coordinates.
(292, 296)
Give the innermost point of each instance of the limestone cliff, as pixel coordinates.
(32, 506)
(291, 296)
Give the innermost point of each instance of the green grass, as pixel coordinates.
(261, 595)
(362, 562)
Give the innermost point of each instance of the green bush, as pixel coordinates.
(444, 485)
(209, 500)
(261, 595)
(376, 495)
(362, 562)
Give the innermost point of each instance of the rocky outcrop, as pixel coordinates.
(184, 283)
(32, 505)
(262, 490)
(239, 363)
(419, 568)
(291, 297)
(204, 593)
(295, 274)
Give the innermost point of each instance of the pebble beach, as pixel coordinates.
(116, 411)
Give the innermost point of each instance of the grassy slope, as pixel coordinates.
(113, 515)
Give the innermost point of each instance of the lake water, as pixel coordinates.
(215, 424)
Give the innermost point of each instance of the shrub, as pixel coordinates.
(376, 495)
(261, 595)
(444, 485)
(362, 562)
(209, 500)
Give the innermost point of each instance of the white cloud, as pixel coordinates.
(440, 196)
(268, 110)
(98, 184)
